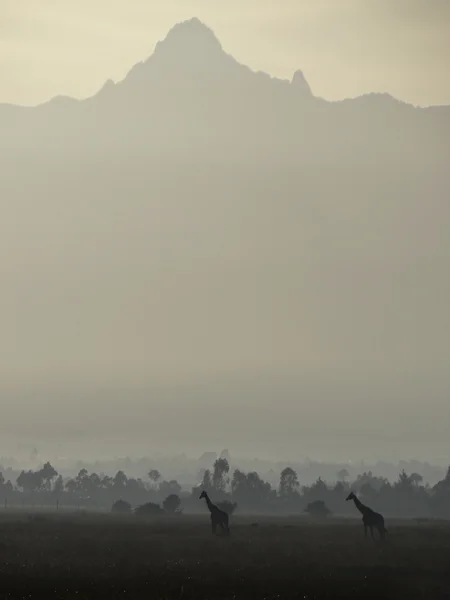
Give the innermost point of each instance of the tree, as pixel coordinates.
(120, 481)
(166, 488)
(30, 481)
(5, 487)
(440, 499)
(81, 480)
(405, 484)
(107, 482)
(367, 477)
(172, 503)
(154, 476)
(343, 474)
(135, 486)
(71, 486)
(416, 479)
(249, 489)
(339, 488)
(318, 509)
(150, 509)
(221, 468)
(58, 487)
(121, 507)
(238, 481)
(444, 484)
(48, 473)
(95, 482)
(207, 480)
(403, 478)
(87, 483)
(8, 488)
(318, 489)
(288, 482)
(368, 492)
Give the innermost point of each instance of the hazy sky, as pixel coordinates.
(344, 47)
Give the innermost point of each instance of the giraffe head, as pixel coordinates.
(350, 496)
(203, 495)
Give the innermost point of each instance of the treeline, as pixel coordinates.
(247, 492)
(406, 497)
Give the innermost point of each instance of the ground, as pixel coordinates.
(99, 555)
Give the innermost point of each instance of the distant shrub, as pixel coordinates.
(38, 518)
(227, 506)
(150, 509)
(172, 503)
(318, 509)
(121, 507)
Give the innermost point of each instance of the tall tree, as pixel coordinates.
(154, 476)
(288, 482)
(221, 468)
(48, 473)
(207, 480)
(169, 488)
(58, 486)
(120, 481)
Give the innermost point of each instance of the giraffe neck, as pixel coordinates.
(359, 505)
(209, 503)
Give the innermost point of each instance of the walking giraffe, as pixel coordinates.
(370, 518)
(218, 517)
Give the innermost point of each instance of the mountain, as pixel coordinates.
(202, 224)
(191, 94)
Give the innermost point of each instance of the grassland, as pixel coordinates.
(101, 556)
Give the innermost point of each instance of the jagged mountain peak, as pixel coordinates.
(189, 50)
(300, 84)
(189, 38)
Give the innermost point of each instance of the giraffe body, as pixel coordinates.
(219, 518)
(371, 519)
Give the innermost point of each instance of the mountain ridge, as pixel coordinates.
(190, 39)
(189, 96)
(200, 223)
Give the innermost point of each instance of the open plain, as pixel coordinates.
(88, 555)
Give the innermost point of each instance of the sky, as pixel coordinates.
(345, 47)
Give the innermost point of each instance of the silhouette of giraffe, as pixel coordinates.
(370, 518)
(218, 517)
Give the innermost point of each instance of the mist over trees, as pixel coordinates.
(232, 489)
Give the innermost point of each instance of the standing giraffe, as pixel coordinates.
(218, 516)
(370, 518)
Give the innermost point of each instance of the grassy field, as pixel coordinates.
(95, 556)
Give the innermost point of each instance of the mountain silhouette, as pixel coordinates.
(189, 94)
(200, 220)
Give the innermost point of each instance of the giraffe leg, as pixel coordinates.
(371, 532)
(365, 531)
(213, 527)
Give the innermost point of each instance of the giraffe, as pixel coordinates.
(218, 516)
(370, 518)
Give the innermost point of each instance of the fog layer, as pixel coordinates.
(204, 255)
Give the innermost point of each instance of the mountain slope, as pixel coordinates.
(199, 222)
(191, 95)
